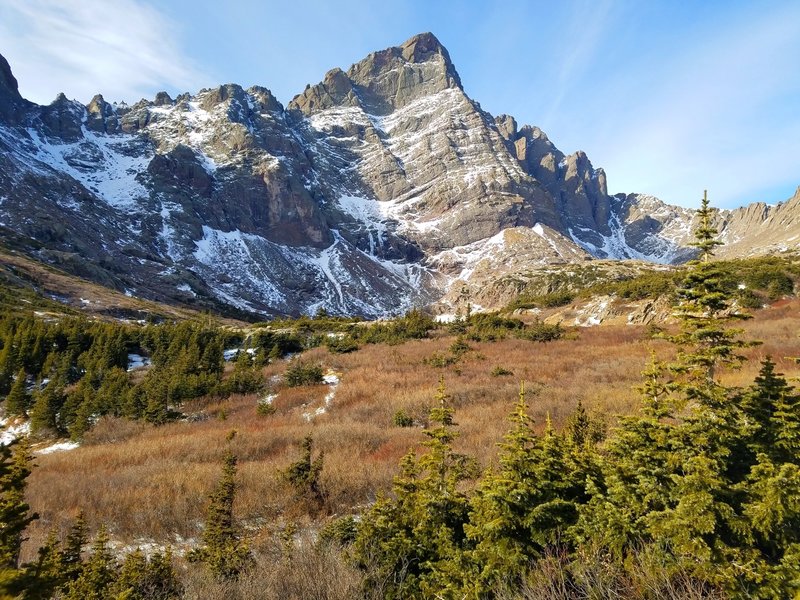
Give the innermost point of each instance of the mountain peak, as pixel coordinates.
(420, 47)
(385, 80)
(10, 99)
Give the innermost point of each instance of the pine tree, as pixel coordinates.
(97, 575)
(42, 578)
(46, 407)
(304, 474)
(223, 551)
(531, 503)
(704, 310)
(8, 364)
(73, 548)
(143, 579)
(412, 543)
(15, 467)
(17, 400)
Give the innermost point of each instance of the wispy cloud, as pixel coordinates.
(586, 28)
(124, 49)
(715, 116)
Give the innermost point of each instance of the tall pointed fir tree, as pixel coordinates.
(411, 543)
(223, 552)
(18, 400)
(15, 515)
(527, 506)
(98, 573)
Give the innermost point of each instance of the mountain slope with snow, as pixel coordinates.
(381, 188)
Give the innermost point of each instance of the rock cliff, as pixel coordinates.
(380, 188)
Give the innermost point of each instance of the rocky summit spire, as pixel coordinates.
(385, 80)
(10, 100)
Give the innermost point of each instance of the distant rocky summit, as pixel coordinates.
(381, 188)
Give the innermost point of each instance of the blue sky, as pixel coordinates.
(669, 97)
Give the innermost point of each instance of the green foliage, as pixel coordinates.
(527, 506)
(304, 475)
(15, 516)
(402, 419)
(341, 531)
(414, 325)
(265, 408)
(97, 575)
(140, 578)
(46, 407)
(340, 344)
(411, 541)
(223, 552)
(490, 327)
(246, 377)
(301, 372)
(541, 332)
(17, 401)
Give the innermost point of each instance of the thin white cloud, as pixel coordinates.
(124, 49)
(707, 123)
(587, 26)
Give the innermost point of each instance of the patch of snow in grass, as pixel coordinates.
(58, 447)
(13, 429)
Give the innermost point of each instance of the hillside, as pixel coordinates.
(381, 188)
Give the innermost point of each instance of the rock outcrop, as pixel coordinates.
(380, 188)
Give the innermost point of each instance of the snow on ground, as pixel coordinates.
(57, 447)
(468, 257)
(13, 429)
(137, 361)
(331, 379)
(664, 246)
(594, 312)
(231, 353)
(268, 399)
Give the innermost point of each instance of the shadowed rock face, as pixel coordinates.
(380, 188)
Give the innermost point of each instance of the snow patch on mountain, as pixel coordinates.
(108, 165)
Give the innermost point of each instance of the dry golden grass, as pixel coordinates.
(147, 482)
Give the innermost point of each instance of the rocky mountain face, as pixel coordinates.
(381, 188)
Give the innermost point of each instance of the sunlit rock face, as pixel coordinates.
(381, 188)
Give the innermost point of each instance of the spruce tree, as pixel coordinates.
(15, 516)
(304, 475)
(45, 410)
(412, 543)
(71, 554)
(15, 467)
(531, 503)
(18, 400)
(223, 551)
(141, 578)
(98, 573)
(43, 577)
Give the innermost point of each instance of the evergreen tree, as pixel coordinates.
(17, 400)
(413, 543)
(97, 575)
(15, 466)
(143, 579)
(45, 576)
(45, 410)
(304, 474)
(531, 503)
(73, 548)
(223, 551)
(8, 364)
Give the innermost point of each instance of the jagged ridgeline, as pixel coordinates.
(381, 188)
